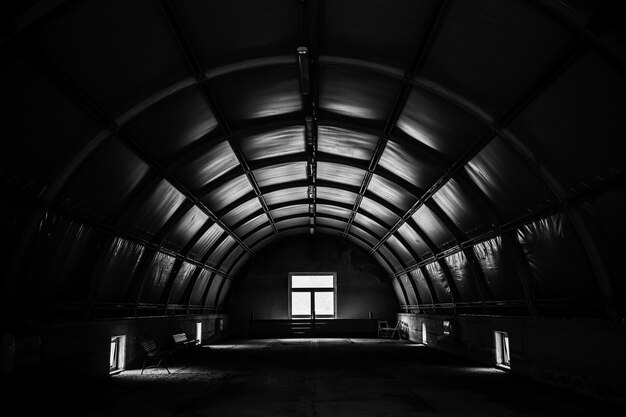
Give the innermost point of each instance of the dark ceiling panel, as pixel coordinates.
(156, 209)
(250, 225)
(258, 236)
(207, 240)
(401, 250)
(438, 124)
(242, 211)
(236, 30)
(357, 94)
(284, 224)
(225, 194)
(363, 234)
(274, 143)
(207, 166)
(115, 51)
(220, 251)
(346, 142)
(172, 124)
(576, 127)
(32, 111)
(330, 223)
(379, 211)
(370, 225)
(414, 239)
(348, 30)
(507, 180)
(391, 192)
(410, 166)
(102, 187)
(386, 253)
(278, 174)
(343, 174)
(285, 195)
(433, 227)
(258, 93)
(490, 51)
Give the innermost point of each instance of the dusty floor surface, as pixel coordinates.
(308, 377)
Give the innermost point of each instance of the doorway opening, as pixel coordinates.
(313, 295)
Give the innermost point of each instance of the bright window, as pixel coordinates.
(312, 295)
(503, 354)
(424, 333)
(199, 333)
(117, 355)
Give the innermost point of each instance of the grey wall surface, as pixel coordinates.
(261, 288)
(586, 356)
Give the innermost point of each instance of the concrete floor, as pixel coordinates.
(310, 377)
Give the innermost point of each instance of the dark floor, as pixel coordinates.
(312, 377)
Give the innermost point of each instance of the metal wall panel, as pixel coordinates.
(280, 142)
(391, 192)
(416, 169)
(439, 281)
(208, 164)
(415, 241)
(422, 286)
(186, 228)
(501, 276)
(463, 277)
(156, 278)
(433, 227)
(346, 142)
(206, 240)
(204, 277)
(115, 273)
(181, 282)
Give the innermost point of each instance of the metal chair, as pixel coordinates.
(385, 331)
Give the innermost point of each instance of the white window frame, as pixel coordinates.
(424, 333)
(199, 333)
(119, 354)
(503, 350)
(312, 290)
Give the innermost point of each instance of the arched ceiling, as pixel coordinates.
(414, 129)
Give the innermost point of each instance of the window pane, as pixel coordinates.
(324, 303)
(301, 303)
(312, 281)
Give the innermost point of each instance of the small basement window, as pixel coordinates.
(117, 356)
(424, 333)
(503, 354)
(199, 333)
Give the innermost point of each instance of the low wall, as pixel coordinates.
(586, 356)
(317, 328)
(82, 349)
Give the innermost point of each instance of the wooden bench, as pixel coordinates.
(154, 355)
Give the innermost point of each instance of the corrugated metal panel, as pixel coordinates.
(242, 211)
(415, 241)
(232, 258)
(330, 223)
(438, 124)
(433, 227)
(186, 228)
(366, 235)
(207, 165)
(241, 262)
(207, 240)
(304, 221)
(258, 93)
(212, 294)
(398, 290)
(156, 209)
(464, 280)
(335, 194)
(251, 225)
(274, 143)
(290, 211)
(391, 193)
(386, 267)
(117, 271)
(379, 211)
(439, 281)
(153, 53)
(199, 287)
(422, 286)
(278, 174)
(333, 210)
(507, 180)
(459, 205)
(340, 173)
(173, 124)
(498, 269)
(102, 187)
(408, 288)
(356, 94)
(401, 251)
(391, 258)
(410, 166)
(224, 292)
(227, 193)
(155, 280)
(250, 241)
(220, 251)
(373, 227)
(346, 142)
(285, 195)
(181, 282)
